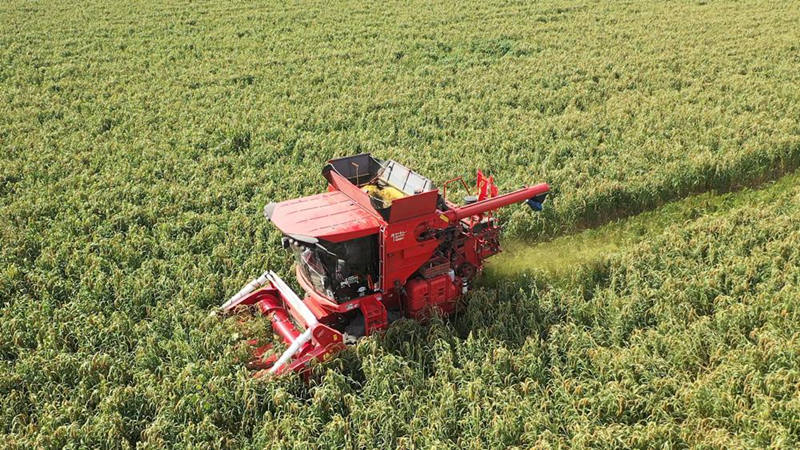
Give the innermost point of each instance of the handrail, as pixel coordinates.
(444, 187)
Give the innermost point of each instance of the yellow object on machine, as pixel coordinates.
(386, 194)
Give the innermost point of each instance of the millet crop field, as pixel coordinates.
(655, 302)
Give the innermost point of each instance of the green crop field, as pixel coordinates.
(654, 303)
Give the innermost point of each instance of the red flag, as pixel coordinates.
(482, 186)
(492, 187)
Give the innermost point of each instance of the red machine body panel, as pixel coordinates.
(414, 206)
(333, 216)
(342, 184)
(436, 295)
(402, 254)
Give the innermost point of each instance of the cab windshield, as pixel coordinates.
(341, 271)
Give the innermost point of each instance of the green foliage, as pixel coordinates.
(140, 141)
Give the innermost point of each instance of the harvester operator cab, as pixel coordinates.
(339, 270)
(348, 269)
(335, 235)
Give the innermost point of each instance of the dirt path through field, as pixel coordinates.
(563, 254)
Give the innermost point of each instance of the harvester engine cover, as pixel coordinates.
(383, 242)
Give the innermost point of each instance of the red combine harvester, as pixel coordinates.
(382, 243)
